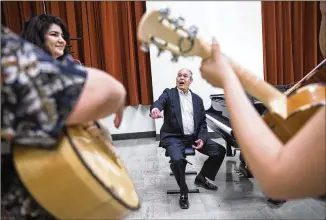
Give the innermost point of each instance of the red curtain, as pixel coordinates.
(108, 38)
(290, 40)
(14, 14)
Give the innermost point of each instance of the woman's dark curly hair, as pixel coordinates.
(37, 26)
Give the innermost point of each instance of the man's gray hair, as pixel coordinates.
(188, 70)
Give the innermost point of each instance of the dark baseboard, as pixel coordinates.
(150, 134)
(137, 135)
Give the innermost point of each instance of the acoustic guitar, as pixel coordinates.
(83, 178)
(287, 113)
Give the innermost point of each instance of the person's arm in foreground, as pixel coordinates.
(293, 170)
(101, 96)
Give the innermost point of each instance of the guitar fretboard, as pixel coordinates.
(317, 75)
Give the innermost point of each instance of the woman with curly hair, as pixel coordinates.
(48, 32)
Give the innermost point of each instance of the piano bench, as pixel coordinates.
(189, 151)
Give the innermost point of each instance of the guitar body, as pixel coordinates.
(82, 178)
(301, 106)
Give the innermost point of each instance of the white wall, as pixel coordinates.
(238, 28)
(135, 119)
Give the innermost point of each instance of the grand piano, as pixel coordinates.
(217, 118)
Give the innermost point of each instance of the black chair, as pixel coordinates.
(189, 151)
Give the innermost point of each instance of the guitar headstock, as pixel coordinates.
(158, 28)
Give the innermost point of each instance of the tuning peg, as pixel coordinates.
(159, 52)
(192, 31)
(174, 58)
(179, 22)
(165, 12)
(144, 47)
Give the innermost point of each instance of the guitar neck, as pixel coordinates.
(182, 42)
(257, 87)
(273, 100)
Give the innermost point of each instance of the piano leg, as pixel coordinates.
(243, 168)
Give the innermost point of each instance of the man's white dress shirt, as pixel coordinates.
(187, 112)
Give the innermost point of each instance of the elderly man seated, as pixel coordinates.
(185, 125)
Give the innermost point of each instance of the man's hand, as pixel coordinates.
(199, 144)
(155, 113)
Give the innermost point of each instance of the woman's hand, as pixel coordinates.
(119, 115)
(216, 69)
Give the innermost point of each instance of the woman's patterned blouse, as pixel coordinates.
(37, 92)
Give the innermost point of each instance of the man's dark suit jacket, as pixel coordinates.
(169, 101)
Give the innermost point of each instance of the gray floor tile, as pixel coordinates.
(236, 198)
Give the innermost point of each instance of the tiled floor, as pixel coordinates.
(236, 198)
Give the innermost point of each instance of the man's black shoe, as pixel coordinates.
(205, 184)
(245, 171)
(183, 201)
(276, 202)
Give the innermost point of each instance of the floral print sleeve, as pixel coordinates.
(37, 92)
